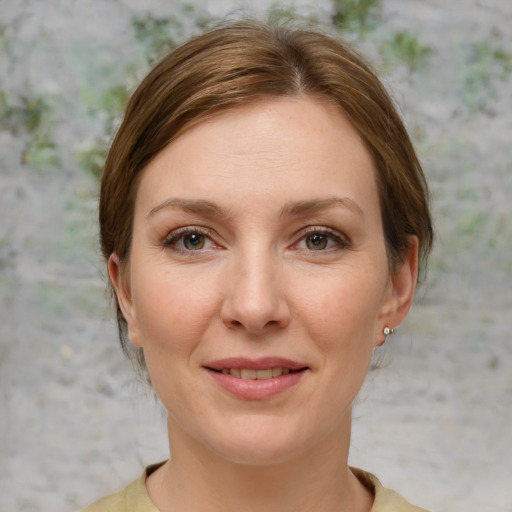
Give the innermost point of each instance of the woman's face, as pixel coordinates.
(258, 283)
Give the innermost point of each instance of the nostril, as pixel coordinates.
(270, 323)
(254, 312)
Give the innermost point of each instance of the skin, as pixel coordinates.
(289, 261)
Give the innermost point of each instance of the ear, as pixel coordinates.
(120, 280)
(400, 292)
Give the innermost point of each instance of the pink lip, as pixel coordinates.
(248, 389)
(254, 364)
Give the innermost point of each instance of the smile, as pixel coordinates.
(251, 374)
(260, 379)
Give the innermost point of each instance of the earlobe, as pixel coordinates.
(400, 294)
(121, 283)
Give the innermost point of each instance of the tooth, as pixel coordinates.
(286, 371)
(247, 373)
(225, 371)
(264, 374)
(235, 372)
(277, 372)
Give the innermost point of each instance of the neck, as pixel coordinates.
(319, 480)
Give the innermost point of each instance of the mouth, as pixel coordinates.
(252, 374)
(256, 379)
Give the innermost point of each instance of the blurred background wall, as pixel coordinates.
(433, 423)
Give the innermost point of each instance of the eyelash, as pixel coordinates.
(342, 241)
(174, 237)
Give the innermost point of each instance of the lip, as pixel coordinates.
(256, 389)
(261, 363)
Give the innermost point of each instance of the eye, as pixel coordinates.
(194, 241)
(321, 240)
(317, 241)
(189, 240)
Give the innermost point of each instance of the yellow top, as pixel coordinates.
(135, 498)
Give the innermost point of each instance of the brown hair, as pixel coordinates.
(242, 62)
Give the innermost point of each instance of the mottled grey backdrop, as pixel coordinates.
(74, 422)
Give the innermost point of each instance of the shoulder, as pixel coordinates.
(133, 498)
(385, 500)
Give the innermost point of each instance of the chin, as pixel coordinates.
(260, 441)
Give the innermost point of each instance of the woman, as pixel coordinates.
(264, 218)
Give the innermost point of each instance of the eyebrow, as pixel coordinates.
(198, 206)
(203, 207)
(302, 207)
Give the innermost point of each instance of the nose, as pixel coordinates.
(255, 300)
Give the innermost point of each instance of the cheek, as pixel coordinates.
(173, 313)
(341, 312)
(172, 310)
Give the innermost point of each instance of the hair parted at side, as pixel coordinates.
(241, 62)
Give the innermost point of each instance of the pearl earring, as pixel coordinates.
(388, 331)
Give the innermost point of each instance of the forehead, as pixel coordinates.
(264, 153)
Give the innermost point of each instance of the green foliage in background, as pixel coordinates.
(484, 64)
(32, 118)
(356, 15)
(281, 15)
(92, 159)
(157, 35)
(109, 105)
(102, 80)
(405, 47)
